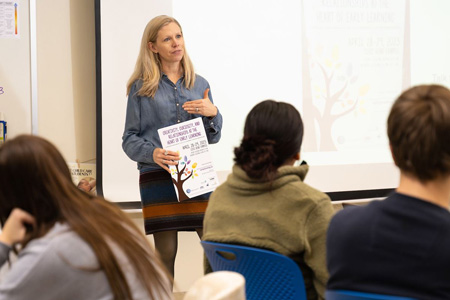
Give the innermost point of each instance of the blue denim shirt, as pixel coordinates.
(146, 115)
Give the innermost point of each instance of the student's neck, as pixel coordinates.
(435, 191)
(173, 71)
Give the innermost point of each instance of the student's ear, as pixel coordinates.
(297, 156)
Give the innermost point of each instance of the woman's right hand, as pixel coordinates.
(165, 157)
(14, 231)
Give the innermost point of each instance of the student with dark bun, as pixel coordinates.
(265, 203)
(400, 245)
(73, 244)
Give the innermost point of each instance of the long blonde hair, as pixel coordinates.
(148, 64)
(35, 177)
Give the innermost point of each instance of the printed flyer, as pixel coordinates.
(194, 175)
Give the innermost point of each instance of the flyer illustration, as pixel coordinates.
(194, 174)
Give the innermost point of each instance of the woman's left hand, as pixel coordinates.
(202, 107)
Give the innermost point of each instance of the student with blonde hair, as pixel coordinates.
(71, 244)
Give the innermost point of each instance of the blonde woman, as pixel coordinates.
(162, 91)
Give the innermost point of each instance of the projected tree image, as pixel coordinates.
(357, 60)
(339, 94)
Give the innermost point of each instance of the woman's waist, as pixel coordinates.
(147, 167)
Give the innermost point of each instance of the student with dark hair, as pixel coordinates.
(265, 203)
(73, 244)
(400, 246)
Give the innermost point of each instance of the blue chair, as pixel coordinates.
(353, 295)
(268, 275)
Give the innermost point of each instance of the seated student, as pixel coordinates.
(264, 202)
(73, 245)
(401, 245)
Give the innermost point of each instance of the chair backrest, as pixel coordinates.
(222, 285)
(353, 295)
(268, 275)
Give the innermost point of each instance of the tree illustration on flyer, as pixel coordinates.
(179, 177)
(194, 174)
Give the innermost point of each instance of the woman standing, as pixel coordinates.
(162, 91)
(73, 244)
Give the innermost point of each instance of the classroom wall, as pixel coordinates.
(66, 76)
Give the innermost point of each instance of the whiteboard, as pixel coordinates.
(340, 63)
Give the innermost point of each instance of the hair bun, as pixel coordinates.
(256, 156)
(253, 143)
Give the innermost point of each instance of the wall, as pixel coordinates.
(66, 76)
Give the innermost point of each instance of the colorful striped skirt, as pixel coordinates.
(160, 206)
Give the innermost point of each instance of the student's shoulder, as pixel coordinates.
(301, 191)
(291, 181)
(69, 246)
(58, 250)
(221, 192)
(355, 213)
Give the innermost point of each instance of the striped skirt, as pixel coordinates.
(161, 209)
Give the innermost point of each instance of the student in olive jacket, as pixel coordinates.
(265, 203)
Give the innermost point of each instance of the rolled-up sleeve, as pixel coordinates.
(213, 127)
